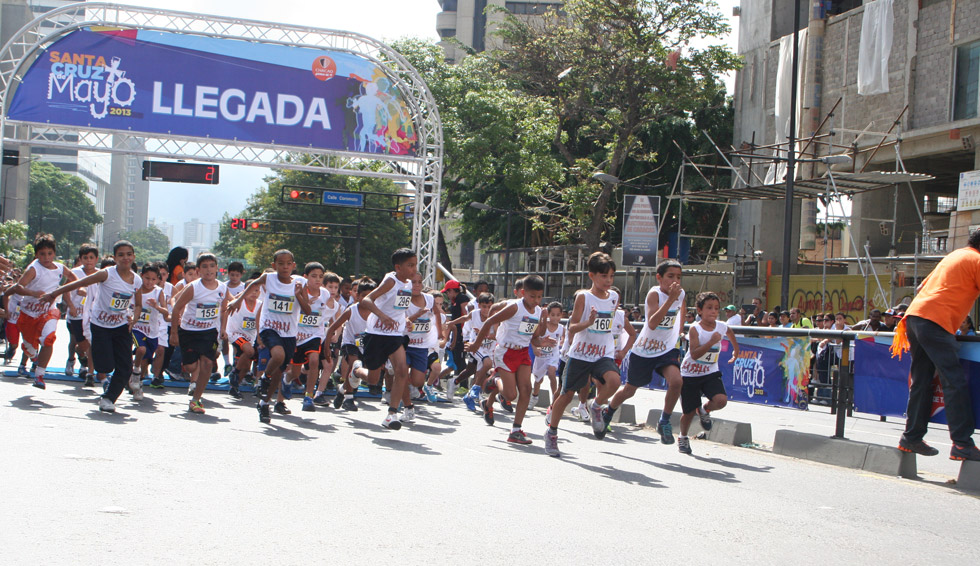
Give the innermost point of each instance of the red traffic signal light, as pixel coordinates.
(260, 226)
(294, 194)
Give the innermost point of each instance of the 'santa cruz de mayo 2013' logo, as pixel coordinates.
(83, 79)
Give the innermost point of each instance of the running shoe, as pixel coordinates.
(215, 376)
(582, 412)
(705, 418)
(22, 371)
(469, 400)
(960, 453)
(547, 417)
(684, 445)
(487, 412)
(228, 369)
(135, 382)
(408, 415)
(518, 437)
(322, 398)
(281, 408)
(595, 415)
(349, 405)
(918, 447)
(308, 405)
(196, 406)
(430, 393)
(70, 368)
(106, 406)
(607, 416)
(90, 381)
(386, 398)
(105, 385)
(234, 391)
(461, 390)
(417, 394)
(666, 432)
(374, 389)
(286, 389)
(264, 415)
(191, 387)
(157, 382)
(338, 399)
(551, 443)
(391, 422)
(490, 385)
(39, 382)
(507, 406)
(532, 402)
(137, 392)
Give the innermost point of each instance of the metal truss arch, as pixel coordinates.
(423, 171)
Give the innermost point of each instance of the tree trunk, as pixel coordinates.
(444, 258)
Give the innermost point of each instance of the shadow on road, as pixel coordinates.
(734, 465)
(111, 418)
(632, 478)
(725, 477)
(29, 403)
(309, 424)
(400, 445)
(205, 418)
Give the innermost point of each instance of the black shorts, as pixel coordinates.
(379, 347)
(299, 356)
(197, 344)
(578, 372)
(237, 346)
(707, 385)
(640, 371)
(75, 328)
(348, 350)
(270, 339)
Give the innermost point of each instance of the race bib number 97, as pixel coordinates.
(119, 301)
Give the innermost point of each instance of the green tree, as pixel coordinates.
(12, 232)
(151, 244)
(381, 233)
(60, 206)
(610, 69)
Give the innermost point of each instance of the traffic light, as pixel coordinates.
(319, 230)
(301, 196)
(260, 226)
(239, 224)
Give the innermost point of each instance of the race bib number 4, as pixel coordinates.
(710, 357)
(527, 326)
(669, 319)
(311, 320)
(403, 299)
(281, 304)
(602, 324)
(206, 311)
(119, 301)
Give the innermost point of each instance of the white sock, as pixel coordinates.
(225, 358)
(39, 371)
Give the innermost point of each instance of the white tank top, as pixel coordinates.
(168, 291)
(394, 304)
(354, 327)
(619, 323)
(203, 312)
(76, 299)
(235, 291)
(113, 299)
(653, 343)
(472, 327)
(551, 352)
(596, 341)
(241, 323)
(45, 280)
(310, 326)
(280, 311)
(13, 309)
(708, 363)
(420, 332)
(148, 321)
(515, 333)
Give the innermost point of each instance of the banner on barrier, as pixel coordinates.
(209, 87)
(881, 383)
(768, 371)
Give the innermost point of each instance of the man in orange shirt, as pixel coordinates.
(942, 303)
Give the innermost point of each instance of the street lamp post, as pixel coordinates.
(509, 213)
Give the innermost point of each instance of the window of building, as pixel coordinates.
(467, 253)
(531, 8)
(448, 5)
(444, 33)
(966, 81)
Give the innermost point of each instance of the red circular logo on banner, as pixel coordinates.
(324, 68)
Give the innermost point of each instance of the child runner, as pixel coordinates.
(700, 367)
(590, 355)
(88, 255)
(310, 336)
(354, 321)
(200, 326)
(330, 351)
(147, 326)
(655, 349)
(278, 322)
(480, 362)
(117, 288)
(546, 358)
(423, 336)
(162, 356)
(520, 325)
(39, 319)
(384, 338)
(241, 330)
(438, 351)
(235, 287)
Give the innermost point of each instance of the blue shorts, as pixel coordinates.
(141, 340)
(270, 339)
(417, 358)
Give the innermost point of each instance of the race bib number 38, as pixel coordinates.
(527, 326)
(281, 304)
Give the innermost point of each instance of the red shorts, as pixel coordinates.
(506, 359)
(31, 327)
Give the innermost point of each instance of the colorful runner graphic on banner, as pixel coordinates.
(768, 371)
(881, 383)
(228, 89)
